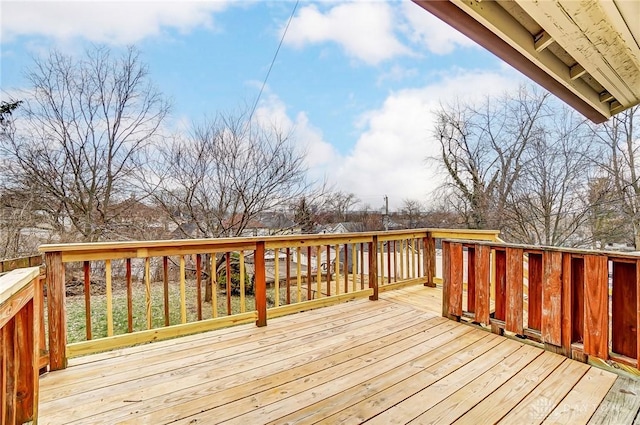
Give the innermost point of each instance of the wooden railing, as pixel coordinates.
(21, 262)
(135, 292)
(20, 315)
(583, 304)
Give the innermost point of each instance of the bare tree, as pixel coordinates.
(482, 151)
(411, 210)
(339, 204)
(549, 203)
(230, 170)
(619, 137)
(78, 138)
(607, 221)
(214, 183)
(304, 216)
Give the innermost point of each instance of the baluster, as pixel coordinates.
(165, 289)
(276, 277)
(109, 295)
(299, 274)
(242, 283)
(87, 298)
(199, 286)
(183, 291)
(214, 285)
(147, 285)
(129, 295)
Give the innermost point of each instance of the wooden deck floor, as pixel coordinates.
(390, 361)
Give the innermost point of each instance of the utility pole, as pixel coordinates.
(385, 219)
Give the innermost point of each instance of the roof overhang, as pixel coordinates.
(586, 52)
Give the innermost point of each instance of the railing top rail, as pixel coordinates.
(294, 239)
(469, 234)
(576, 251)
(14, 281)
(97, 251)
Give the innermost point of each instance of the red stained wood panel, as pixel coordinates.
(456, 272)
(534, 292)
(471, 280)
(514, 283)
(482, 283)
(577, 299)
(446, 277)
(624, 310)
(551, 298)
(596, 312)
(501, 289)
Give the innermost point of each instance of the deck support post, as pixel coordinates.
(260, 285)
(429, 259)
(373, 267)
(56, 311)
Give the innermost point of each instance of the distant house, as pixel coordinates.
(348, 227)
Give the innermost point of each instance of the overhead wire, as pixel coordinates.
(264, 82)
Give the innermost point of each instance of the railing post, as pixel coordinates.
(483, 283)
(260, 285)
(26, 363)
(429, 259)
(452, 275)
(56, 311)
(373, 267)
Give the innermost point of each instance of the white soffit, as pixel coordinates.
(591, 48)
(600, 39)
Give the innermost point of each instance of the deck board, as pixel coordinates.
(389, 361)
(621, 404)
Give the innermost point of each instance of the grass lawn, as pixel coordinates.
(76, 327)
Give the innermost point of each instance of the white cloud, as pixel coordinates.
(390, 155)
(320, 156)
(425, 29)
(365, 30)
(397, 73)
(116, 22)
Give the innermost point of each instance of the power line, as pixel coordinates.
(264, 83)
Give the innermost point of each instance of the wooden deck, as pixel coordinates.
(390, 361)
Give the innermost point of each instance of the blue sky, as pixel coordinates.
(355, 82)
